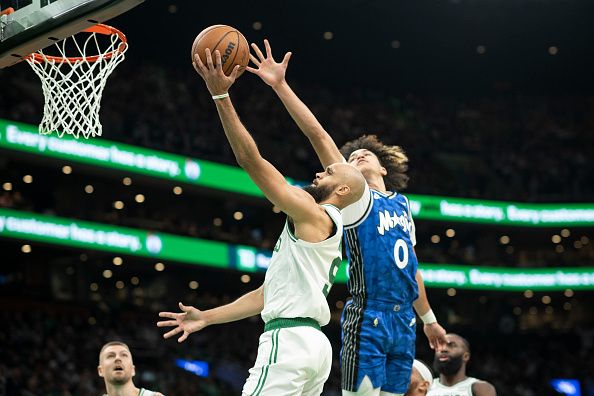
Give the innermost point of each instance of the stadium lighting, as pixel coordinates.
(66, 169)
(28, 179)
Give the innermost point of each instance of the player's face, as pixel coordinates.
(449, 357)
(116, 365)
(367, 162)
(323, 185)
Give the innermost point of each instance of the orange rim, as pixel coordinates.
(99, 29)
(7, 11)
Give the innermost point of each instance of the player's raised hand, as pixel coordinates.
(187, 322)
(435, 334)
(269, 70)
(212, 73)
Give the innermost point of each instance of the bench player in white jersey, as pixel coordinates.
(378, 324)
(450, 362)
(294, 356)
(117, 369)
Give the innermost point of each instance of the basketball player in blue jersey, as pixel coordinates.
(294, 356)
(378, 324)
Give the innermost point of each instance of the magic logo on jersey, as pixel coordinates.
(388, 221)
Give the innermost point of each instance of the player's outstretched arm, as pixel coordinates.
(192, 319)
(292, 200)
(433, 330)
(273, 74)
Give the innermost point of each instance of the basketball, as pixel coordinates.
(229, 41)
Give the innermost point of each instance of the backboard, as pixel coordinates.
(36, 24)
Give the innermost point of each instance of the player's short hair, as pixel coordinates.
(112, 343)
(393, 158)
(464, 341)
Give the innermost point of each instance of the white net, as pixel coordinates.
(73, 81)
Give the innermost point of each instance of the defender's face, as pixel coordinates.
(116, 365)
(366, 162)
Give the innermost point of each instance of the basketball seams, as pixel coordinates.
(217, 39)
(201, 36)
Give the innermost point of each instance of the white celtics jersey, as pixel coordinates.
(462, 388)
(301, 274)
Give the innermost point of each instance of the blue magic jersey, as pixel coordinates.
(380, 235)
(378, 324)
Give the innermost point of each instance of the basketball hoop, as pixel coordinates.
(73, 85)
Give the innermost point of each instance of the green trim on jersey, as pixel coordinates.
(264, 373)
(291, 235)
(284, 323)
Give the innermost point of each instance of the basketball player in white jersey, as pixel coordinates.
(117, 369)
(294, 356)
(450, 362)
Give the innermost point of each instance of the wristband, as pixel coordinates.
(429, 317)
(222, 96)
